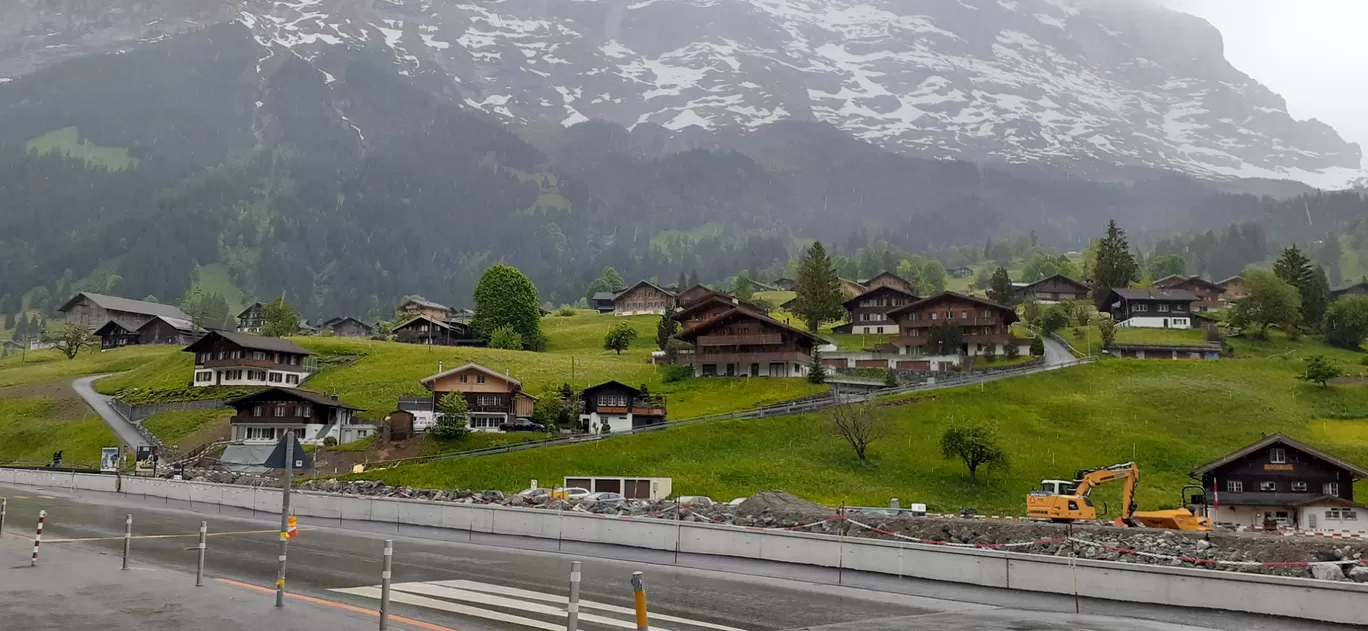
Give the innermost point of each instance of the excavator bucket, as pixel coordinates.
(1179, 519)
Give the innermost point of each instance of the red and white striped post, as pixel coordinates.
(42, 517)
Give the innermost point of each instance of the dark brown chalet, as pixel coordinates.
(619, 406)
(1357, 289)
(113, 335)
(644, 298)
(984, 324)
(165, 330)
(347, 327)
(223, 358)
(869, 311)
(264, 417)
(425, 330)
(694, 294)
(1150, 308)
(742, 343)
(1282, 481)
(711, 306)
(1055, 289)
(1209, 295)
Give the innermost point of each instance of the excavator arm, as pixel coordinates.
(1127, 472)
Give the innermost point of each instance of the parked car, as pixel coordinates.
(522, 425)
(534, 492)
(605, 497)
(696, 500)
(570, 493)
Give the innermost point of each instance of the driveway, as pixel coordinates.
(1056, 352)
(100, 403)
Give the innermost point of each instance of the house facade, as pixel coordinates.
(95, 310)
(252, 319)
(1150, 308)
(960, 272)
(851, 288)
(239, 359)
(348, 327)
(1234, 289)
(1285, 482)
(618, 407)
(266, 416)
(713, 305)
(493, 398)
(694, 294)
(415, 307)
(426, 330)
(743, 343)
(602, 302)
(983, 325)
(644, 298)
(1052, 290)
(890, 280)
(113, 335)
(869, 311)
(164, 330)
(1210, 296)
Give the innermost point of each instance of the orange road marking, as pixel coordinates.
(328, 603)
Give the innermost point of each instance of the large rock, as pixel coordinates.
(1359, 573)
(1327, 572)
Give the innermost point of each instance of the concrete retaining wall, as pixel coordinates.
(1181, 587)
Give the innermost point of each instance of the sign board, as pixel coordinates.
(146, 458)
(109, 459)
(277, 458)
(1278, 467)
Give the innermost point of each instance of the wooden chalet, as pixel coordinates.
(252, 319)
(712, 305)
(889, 279)
(740, 342)
(165, 330)
(644, 298)
(619, 407)
(113, 335)
(1356, 289)
(1284, 482)
(1150, 308)
(785, 283)
(494, 398)
(1234, 289)
(264, 417)
(602, 301)
(224, 358)
(95, 310)
(347, 327)
(1210, 296)
(414, 307)
(869, 311)
(1052, 290)
(984, 326)
(851, 288)
(432, 332)
(962, 271)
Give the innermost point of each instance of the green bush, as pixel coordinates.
(330, 441)
(565, 311)
(1037, 347)
(675, 374)
(505, 337)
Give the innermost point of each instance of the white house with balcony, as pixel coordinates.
(223, 358)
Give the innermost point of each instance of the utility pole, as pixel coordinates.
(285, 516)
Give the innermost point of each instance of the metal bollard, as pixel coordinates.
(42, 517)
(572, 608)
(199, 569)
(385, 585)
(639, 593)
(128, 538)
(4, 508)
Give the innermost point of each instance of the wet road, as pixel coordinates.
(473, 582)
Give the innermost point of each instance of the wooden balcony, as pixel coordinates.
(758, 339)
(248, 363)
(247, 419)
(926, 324)
(750, 358)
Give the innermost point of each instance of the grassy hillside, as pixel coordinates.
(373, 375)
(1168, 416)
(214, 279)
(48, 365)
(188, 426)
(32, 428)
(68, 142)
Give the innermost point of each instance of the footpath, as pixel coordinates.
(74, 588)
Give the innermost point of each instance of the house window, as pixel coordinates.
(479, 378)
(612, 400)
(280, 411)
(306, 411)
(933, 315)
(294, 360)
(256, 411)
(964, 315)
(1331, 489)
(487, 400)
(276, 377)
(1268, 486)
(465, 378)
(261, 433)
(237, 354)
(1140, 307)
(204, 376)
(916, 316)
(1234, 486)
(1277, 456)
(292, 379)
(880, 330)
(1338, 514)
(1163, 307)
(1299, 486)
(987, 313)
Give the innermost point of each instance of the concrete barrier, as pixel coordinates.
(1173, 586)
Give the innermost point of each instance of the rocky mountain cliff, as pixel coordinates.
(1098, 87)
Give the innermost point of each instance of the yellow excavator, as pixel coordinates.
(1068, 501)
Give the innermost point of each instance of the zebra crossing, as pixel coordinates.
(521, 607)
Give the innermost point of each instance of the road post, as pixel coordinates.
(385, 576)
(4, 508)
(639, 595)
(572, 608)
(38, 539)
(128, 538)
(199, 567)
(285, 517)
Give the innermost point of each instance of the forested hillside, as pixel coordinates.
(347, 189)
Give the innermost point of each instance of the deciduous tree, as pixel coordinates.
(1167, 265)
(609, 281)
(72, 338)
(1270, 302)
(280, 317)
(453, 420)
(974, 444)
(1054, 319)
(1346, 322)
(505, 337)
(505, 297)
(1320, 370)
(742, 287)
(860, 424)
(819, 289)
(619, 338)
(1108, 329)
(945, 339)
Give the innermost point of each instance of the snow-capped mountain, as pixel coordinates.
(1083, 84)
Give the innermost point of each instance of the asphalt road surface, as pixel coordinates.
(456, 580)
(100, 404)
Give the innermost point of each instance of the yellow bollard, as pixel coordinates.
(639, 589)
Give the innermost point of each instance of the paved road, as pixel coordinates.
(1056, 353)
(100, 403)
(457, 580)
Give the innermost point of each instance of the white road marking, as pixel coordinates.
(442, 605)
(452, 593)
(523, 593)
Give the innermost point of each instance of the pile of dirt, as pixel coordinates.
(782, 504)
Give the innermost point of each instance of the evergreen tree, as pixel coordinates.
(1330, 255)
(682, 283)
(9, 322)
(20, 328)
(665, 330)
(1295, 269)
(819, 289)
(7, 305)
(1000, 289)
(1115, 265)
(505, 297)
(693, 278)
(742, 287)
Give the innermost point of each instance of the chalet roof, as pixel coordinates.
(1175, 280)
(721, 317)
(298, 393)
(426, 304)
(604, 296)
(716, 297)
(1331, 500)
(471, 366)
(255, 305)
(252, 342)
(115, 303)
(184, 326)
(883, 274)
(640, 283)
(1180, 295)
(111, 327)
(1227, 281)
(930, 300)
(336, 321)
(1347, 289)
(882, 288)
(1057, 277)
(606, 384)
(1279, 439)
(441, 324)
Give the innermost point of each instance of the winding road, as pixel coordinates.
(100, 404)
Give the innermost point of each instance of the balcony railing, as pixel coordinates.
(736, 340)
(250, 363)
(749, 358)
(924, 323)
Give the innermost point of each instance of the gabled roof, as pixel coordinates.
(606, 384)
(640, 283)
(716, 297)
(944, 295)
(252, 342)
(604, 296)
(426, 304)
(471, 366)
(184, 326)
(722, 317)
(1178, 295)
(1171, 281)
(111, 328)
(255, 305)
(441, 324)
(299, 393)
(115, 303)
(336, 321)
(1227, 281)
(883, 274)
(1345, 290)
(1276, 439)
(1058, 277)
(882, 288)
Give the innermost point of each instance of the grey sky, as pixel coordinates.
(1312, 52)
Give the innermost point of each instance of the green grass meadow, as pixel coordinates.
(32, 428)
(68, 142)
